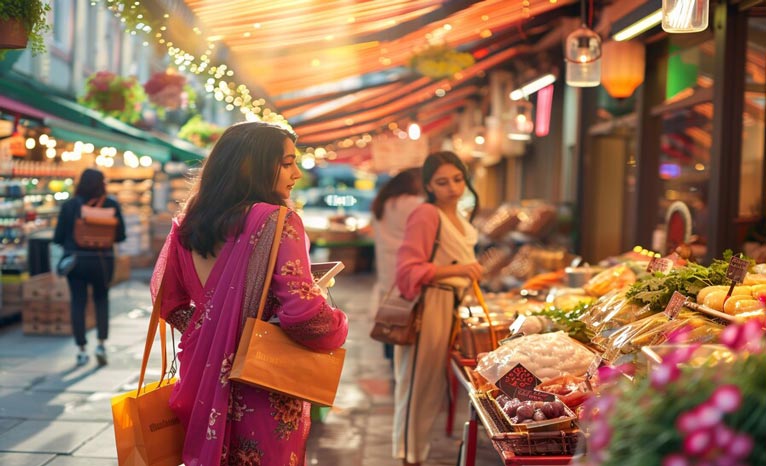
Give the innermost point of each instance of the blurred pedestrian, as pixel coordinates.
(211, 272)
(421, 369)
(88, 266)
(391, 207)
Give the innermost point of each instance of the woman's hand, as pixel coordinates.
(474, 270)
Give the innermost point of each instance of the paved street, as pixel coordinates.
(52, 413)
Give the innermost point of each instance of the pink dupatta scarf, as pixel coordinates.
(226, 422)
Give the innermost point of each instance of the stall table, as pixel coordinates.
(502, 441)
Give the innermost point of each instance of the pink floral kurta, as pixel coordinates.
(226, 422)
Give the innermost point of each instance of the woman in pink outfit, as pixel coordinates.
(212, 269)
(436, 259)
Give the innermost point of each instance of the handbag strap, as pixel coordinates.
(483, 304)
(437, 240)
(272, 259)
(154, 322)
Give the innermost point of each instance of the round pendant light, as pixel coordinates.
(682, 16)
(583, 57)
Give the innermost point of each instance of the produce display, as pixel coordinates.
(624, 323)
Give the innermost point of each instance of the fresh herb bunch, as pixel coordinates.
(568, 320)
(33, 14)
(656, 289)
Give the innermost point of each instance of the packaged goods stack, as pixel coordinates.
(12, 301)
(46, 303)
(132, 187)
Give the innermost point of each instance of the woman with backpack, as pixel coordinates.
(89, 260)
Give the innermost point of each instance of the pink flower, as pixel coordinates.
(664, 374)
(680, 335)
(600, 435)
(744, 337)
(707, 415)
(675, 459)
(727, 398)
(698, 443)
(740, 446)
(687, 422)
(723, 435)
(611, 373)
(682, 354)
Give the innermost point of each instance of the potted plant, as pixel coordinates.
(116, 96)
(200, 132)
(22, 22)
(168, 90)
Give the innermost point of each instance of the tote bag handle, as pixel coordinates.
(154, 322)
(272, 259)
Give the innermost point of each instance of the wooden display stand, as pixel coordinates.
(46, 306)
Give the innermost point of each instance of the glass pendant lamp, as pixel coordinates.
(583, 56)
(682, 16)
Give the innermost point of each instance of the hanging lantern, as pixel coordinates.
(623, 68)
(519, 122)
(680, 16)
(583, 57)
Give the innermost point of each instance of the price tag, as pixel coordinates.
(658, 264)
(520, 383)
(737, 269)
(593, 368)
(517, 324)
(591, 371)
(674, 305)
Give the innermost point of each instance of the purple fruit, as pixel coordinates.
(525, 412)
(560, 409)
(511, 407)
(549, 410)
(539, 416)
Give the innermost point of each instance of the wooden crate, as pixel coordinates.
(53, 318)
(45, 287)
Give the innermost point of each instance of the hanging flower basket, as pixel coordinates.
(199, 132)
(116, 96)
(440, 61)
(23, 24)
(166, 90)
(13, 34)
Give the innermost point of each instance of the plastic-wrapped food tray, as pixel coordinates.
(548, 443)
(567, 422)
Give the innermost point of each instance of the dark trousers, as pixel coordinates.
(93, 269)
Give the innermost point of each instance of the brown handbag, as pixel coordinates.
(95, 232)
(267, 358)
(397, 320)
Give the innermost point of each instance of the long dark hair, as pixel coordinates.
(405, 182)
(91, 184)
(436, 160)
(242, 169)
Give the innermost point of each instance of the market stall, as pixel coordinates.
(639, 321)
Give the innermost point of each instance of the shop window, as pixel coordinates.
(63, 28)
(751, 194)
(687, 125)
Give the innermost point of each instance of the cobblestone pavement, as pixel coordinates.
(53, 413)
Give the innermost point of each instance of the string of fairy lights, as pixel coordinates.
(220, 78)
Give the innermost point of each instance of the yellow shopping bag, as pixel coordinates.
(146, 430)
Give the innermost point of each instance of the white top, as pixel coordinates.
(389, 234)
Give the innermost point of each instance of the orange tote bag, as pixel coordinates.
(146, 430)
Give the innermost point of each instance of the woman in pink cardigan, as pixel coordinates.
(435, 228)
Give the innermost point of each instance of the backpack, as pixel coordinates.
(97, 226)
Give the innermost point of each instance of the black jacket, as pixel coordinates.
(70, 210)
